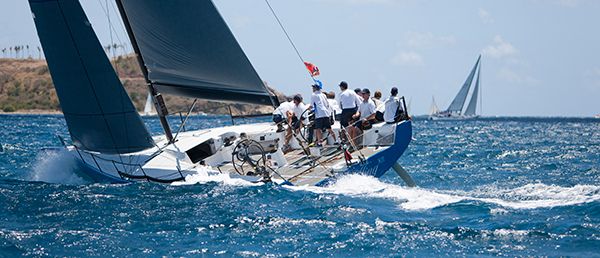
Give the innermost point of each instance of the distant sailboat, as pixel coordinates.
(455, 110)
(434, 108)
(184, 48)
(149, 107)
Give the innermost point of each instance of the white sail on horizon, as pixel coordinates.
(149, 108)
(434, 108)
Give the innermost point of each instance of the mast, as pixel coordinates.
(480, 92)
(159, 103)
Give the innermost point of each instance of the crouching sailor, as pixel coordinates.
(281, 112)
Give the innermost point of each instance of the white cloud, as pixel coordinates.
(500, 48)
(485, 16)
(427, 39)
(511, 76)
(408, 58)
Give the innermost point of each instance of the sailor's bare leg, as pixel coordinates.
(319, 135)
(332, 134)
(288, 135)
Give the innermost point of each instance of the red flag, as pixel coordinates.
(312, 69)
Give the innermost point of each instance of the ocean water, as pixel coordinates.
(491, 187)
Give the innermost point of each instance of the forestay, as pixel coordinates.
(98, 111)
(188, 49)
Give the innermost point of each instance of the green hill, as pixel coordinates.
(26, 86)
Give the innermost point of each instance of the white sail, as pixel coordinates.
(434, 108)
(458, 102)
(472, 107)
(148, 108)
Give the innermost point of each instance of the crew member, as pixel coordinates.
(280, 113)
(296, 119)
(349, 103)
(366, 109)
(322, 113)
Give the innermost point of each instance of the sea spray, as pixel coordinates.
(529, 196)
(55, 166)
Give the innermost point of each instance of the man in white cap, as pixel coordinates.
(318, 101)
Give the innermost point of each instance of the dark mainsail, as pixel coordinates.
(98, 111)
(459, 101)
(188, 50)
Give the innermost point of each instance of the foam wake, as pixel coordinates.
(530, 196)
(57, 167)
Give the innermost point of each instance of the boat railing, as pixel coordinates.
(128, 170)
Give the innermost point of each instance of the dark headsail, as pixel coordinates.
(188, 49)
(98, 111)
(459, 101)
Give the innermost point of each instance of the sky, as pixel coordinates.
(539, 57)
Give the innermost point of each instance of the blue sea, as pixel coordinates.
(488, 187)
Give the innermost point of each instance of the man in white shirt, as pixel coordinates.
(366, 109)
(388, 110)
(377, 98)
(349, 103)
(392, 105)
(296, 119)
(280, 113)
(318, 101)
(336, 111)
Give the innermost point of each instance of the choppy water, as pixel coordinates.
(505, 186)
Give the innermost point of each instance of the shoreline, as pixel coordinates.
(33, 112)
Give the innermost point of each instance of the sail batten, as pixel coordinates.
(99, 114)
(459, 101)
(188, 50)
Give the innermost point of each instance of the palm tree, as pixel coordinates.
(11, 49)
(28, 55)
(4, 52)
(39, 53)
(17, 50)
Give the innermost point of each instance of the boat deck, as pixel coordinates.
(303, 169)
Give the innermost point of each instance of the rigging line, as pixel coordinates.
(113, 30)
(185, 120)
(288, 36)
(123, 29)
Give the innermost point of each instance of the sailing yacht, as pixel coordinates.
(456, 109)
(149, 107)
(185, 48)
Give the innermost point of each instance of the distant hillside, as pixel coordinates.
(26, 86)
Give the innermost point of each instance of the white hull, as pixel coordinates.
(452, 118)
(211, 150)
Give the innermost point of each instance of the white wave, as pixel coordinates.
(57, 167)
(530, 196)
(205, 174)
